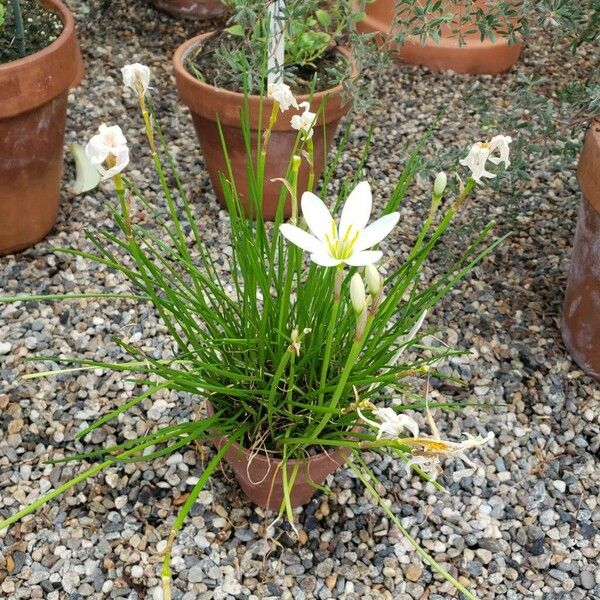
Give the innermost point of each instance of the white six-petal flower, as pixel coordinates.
(137, 77)
(481, 152)
(305, 121)
(282, 94)
(331, 245)
(108, 148)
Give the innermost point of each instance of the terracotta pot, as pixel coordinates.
(209, 104)
(192, 9)
(33, 106)
(581, 311)
(446, 55)
(261, 478)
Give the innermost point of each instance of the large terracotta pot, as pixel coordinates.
(33, 106)
(475, 56)
(192, 9)
(261, 476)
(210, 105)
(581, 312)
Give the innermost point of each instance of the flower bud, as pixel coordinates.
(440, 184)
(373, 280)
(358, 295)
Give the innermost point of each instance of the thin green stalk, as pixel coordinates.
(339, 275)
(19, 28)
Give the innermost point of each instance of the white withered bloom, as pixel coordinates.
(282, 94)
(331, 245)
(358, 296)
(481, 152)
(137, 77)
(305, 121)
(108, 151)
(391, 424)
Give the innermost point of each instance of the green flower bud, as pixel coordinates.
(358, 295)
(440, 184)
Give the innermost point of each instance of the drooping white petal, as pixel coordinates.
(500, 143)
(301, 238)
(361, 259)
(357, 208)
(376, 231)
(317, 215)
(88, 176)
(324, 259)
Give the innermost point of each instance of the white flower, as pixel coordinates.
(358, 296)
(391, 424)
(137, 77)
(305, 121)
(481, 152)
(281, 93)
(108, 148)
(329, 244)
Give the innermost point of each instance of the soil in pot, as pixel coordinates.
(581, 311)
(447, 54)
(192, 9)
(33, 104)
(210, 105)
(43, 27)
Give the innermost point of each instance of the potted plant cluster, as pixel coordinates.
(300, 353)
(297, 44)
(192, 9)
(464, 36)
(39, 62)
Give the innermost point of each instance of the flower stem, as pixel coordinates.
(339, 276)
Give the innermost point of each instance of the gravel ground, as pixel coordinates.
(525, 525)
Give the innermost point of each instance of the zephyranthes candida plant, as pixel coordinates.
(295, 353)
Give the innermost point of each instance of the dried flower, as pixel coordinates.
(108, 148)
(481, 152)
(331, 246)
(282, 94)
(391, 424)
(305, 121)
(137, 77)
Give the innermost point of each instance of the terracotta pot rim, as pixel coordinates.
(70, 77)
(338, 455)
(187, 80)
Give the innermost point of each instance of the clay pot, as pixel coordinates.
(474, 57)
(209, 104)
(33, 106)
(261, 478)
(192, 9)
(581, 311)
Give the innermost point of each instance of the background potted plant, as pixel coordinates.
(192, 9)
(464, 36)
(39, 62)
(580, 323)
(294, 43)
(294, 357)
